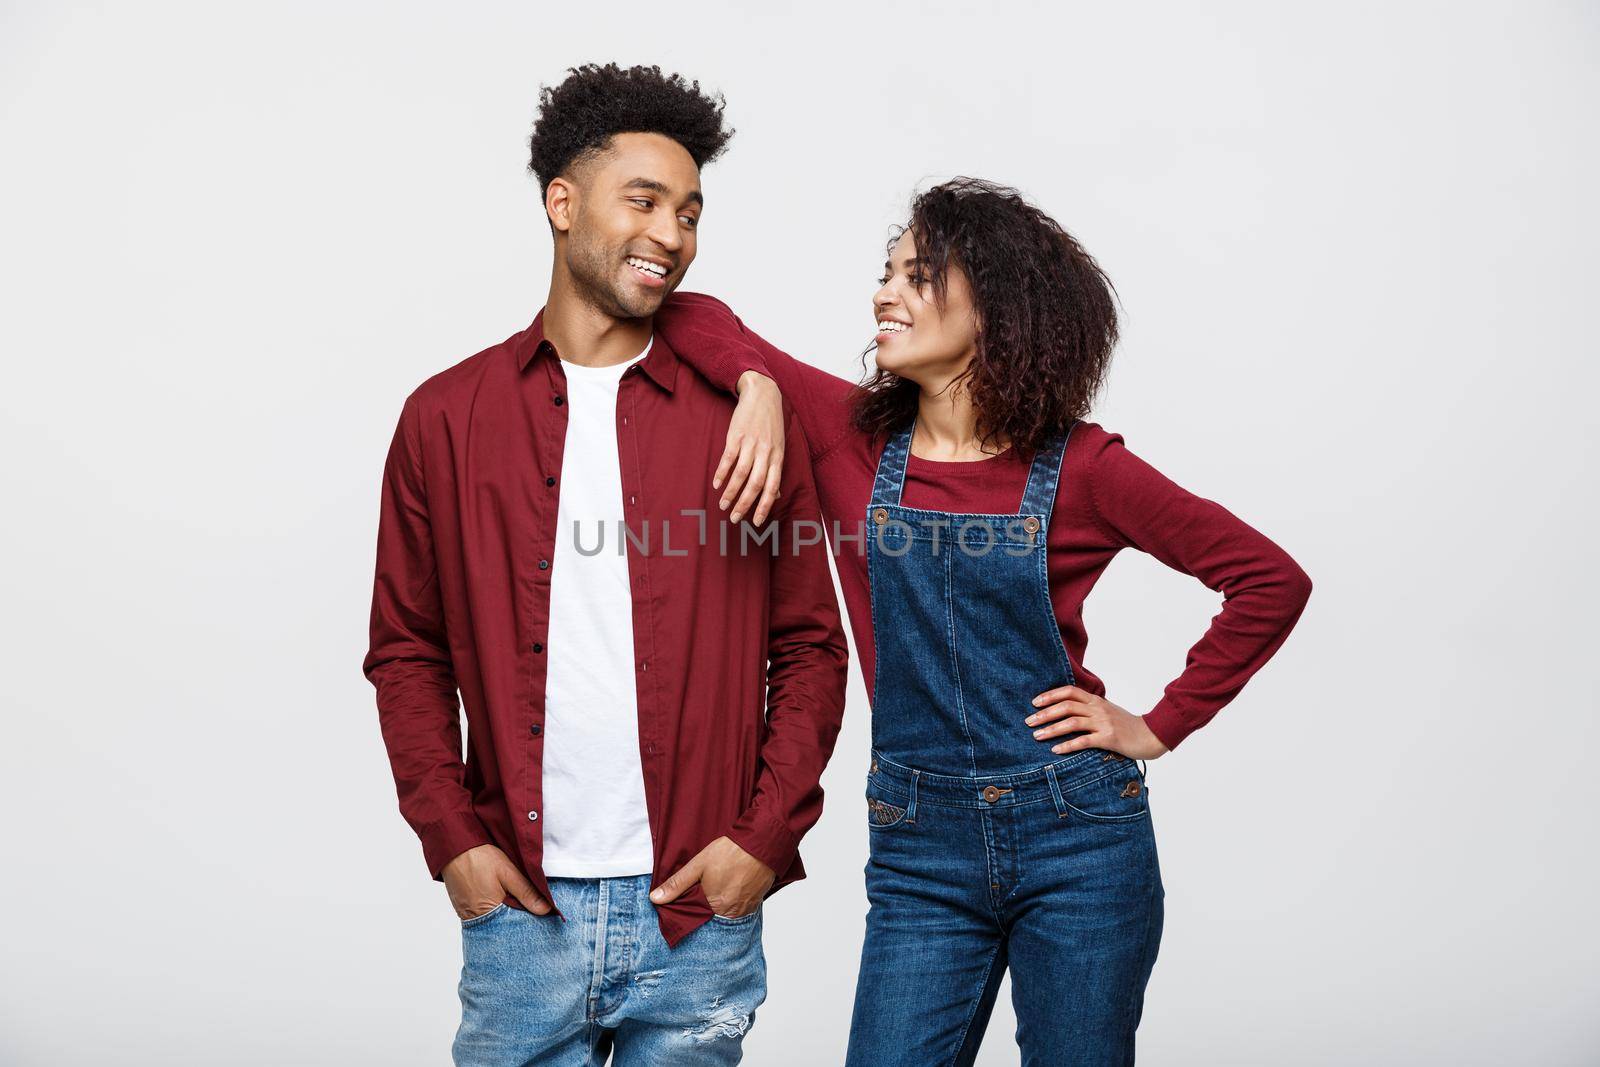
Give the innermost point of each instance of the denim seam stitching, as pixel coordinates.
(955, 668)
(1144, 956)
(972, 1012)
(1110, 818)
(961, 781)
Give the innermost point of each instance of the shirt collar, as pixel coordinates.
(660, 365)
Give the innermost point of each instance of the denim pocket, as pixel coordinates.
(1117, 796)
(474, 920)
(735, 920)
(881, 814)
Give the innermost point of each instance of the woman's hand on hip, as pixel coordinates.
(1069, 710)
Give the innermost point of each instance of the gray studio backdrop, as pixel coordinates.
(1355, 244)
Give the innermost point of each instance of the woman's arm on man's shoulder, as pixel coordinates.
(706, 334)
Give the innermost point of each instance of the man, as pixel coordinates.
(648, 708)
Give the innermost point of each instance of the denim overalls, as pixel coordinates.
(987, 850)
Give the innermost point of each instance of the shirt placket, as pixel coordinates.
(647, 528)
(550, 430)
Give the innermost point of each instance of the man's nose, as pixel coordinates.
(666, 234)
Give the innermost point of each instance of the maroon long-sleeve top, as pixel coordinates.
(739, 650)
(1109, 499)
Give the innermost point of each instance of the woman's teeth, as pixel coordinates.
(890, 326)
(653, 269)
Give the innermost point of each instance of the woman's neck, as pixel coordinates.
(947, 428)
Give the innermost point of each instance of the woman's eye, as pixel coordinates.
(883, 279)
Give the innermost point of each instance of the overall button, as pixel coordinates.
(880, 516)
(1031, 524)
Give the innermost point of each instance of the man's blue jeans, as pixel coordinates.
(537, 990)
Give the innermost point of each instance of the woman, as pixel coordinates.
(971, 509)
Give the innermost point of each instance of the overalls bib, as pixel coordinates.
(963, 628)
(989, 851)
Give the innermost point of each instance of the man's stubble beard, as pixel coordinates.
(592, 267)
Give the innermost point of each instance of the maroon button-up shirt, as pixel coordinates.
(739, 653)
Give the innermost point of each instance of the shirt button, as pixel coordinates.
(533, 816)
(535, 730)
(537, 647)
(549, 481)
(544, 564)
(559, 402)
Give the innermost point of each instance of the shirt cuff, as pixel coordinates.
(766, 838)
(1168, 724)
(448, 838)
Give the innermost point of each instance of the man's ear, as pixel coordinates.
(560, 200)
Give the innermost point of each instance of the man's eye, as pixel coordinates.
(689, 221)
(641, 201)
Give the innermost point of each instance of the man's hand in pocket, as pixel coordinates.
(480, 878)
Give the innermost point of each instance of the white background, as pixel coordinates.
(1356, 248)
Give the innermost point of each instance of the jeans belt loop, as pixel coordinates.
(1055, 791)
(911, 807)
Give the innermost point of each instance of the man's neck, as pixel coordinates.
(587, 336)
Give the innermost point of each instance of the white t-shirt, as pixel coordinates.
(596, 824)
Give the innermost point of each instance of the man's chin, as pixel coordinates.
(639, 301)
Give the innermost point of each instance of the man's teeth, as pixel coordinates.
(890, 326)
(645, 265)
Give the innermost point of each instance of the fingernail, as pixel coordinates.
(723, 504)
(655, 894)
(1032, 719)
(1039, 734)
(1037, 701)
(1058, 749)
(734, 516)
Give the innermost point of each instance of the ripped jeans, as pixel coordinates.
(537, 990)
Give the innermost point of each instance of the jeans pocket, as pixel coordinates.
(735, 920)
(1118, 796)
(475, 920)
(881, 815)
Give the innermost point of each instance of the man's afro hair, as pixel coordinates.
(578, 117)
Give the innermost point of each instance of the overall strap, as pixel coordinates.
(1040, 496)
(891, 476)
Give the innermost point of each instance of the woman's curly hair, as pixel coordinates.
(580, 116)
(1046, 311)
